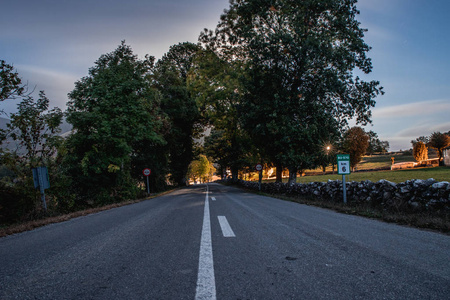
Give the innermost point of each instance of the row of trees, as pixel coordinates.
(437, 140)
(274, 82)
(279, 84)
(127, 114)
(201, 170)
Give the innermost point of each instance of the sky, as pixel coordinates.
(53, 43)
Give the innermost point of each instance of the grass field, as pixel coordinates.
(376, 162)
(381, 161)
(438, 173)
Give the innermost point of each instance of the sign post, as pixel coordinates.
(147, 173)
(343, 162)
(259, 168)
(41, 181)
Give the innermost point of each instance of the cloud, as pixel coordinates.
(423, 108)
(424, 130)
(56, 84)
(383, 7)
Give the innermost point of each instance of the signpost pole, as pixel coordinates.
(343, 161)
(260, 179)
(41, 181)
(345, 188)
(42, 171)
(43, 200)
(259, 168)
(147, 173)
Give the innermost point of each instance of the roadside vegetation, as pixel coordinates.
(273, 84)
(423, 220)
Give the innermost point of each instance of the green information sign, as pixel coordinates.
(343, 164)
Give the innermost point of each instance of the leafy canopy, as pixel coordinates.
(355, 142)
(114, 112)
(170, 79)
(299, 58)
(36, 129)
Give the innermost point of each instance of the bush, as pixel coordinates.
(420, 152)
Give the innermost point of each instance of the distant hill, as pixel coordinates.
(11, 145)
(65, 127)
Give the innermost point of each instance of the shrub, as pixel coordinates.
(420, 152)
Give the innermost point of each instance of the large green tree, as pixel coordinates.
(439, 141)
(375, 145)
(35, 129)
(170, 78)
(355, 142)
(114, 113)
(215, 83)
(11, 85)
(300, 56)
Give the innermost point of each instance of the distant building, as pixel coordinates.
(446, 156)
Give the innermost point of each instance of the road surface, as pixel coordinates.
(217, 242)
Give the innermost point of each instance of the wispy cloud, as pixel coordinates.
(56, 84)
(424, 130)
(423, 108)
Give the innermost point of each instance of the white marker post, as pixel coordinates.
(259, 168)
(147, 173)
(343, 162)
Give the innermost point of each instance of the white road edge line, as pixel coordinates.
(226, 229)
(206, 283)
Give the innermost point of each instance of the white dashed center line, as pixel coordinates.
(226, 229)
(206, 283)
(213, 198)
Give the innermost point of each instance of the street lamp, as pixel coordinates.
(328, 148)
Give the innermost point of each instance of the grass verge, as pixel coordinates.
(30, 225)
(417, 220)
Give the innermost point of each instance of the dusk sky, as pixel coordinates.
(53, 43)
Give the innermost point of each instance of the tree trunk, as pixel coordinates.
(279, 173)
(440, 155)
(292, 175)
(234, 174)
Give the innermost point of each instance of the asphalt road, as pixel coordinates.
(219, 242)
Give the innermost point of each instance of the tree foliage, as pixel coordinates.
(170, 78)
(300, 87)
(215, 83)
(114, 113)
(375, 145)
(423, 139)
(274, 82)
(11, 85)
(420, 152)
(201, 169)
(439, 141)
(35, 129)
(355, 142)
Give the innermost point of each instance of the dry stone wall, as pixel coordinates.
(412, 195)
